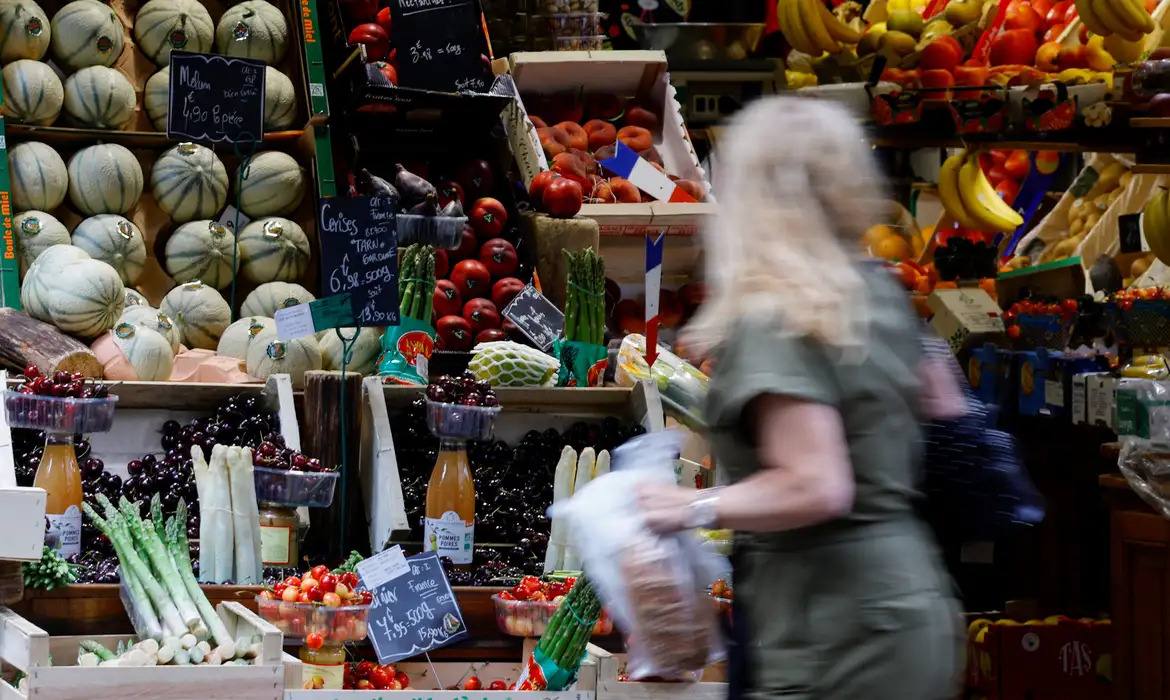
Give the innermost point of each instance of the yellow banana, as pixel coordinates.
(1154, 225)
(814, 28)
(1089, 17)
(1133, 14)
(948, 192)
(1106, 11)
(782, 20)
(799, 39)
(839, 30)
(981, 199)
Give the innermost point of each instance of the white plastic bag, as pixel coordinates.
(654, 587)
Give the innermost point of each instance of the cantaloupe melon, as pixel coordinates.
(189, 182)
(32, 93)
(155, 320)
(86, 33)
(104, 179)
(164, 25)
(366, 348)
(273, 185)
(267, 299)
(253, 29)
(35, 232)
(268, 355)
(156, 96)
(24, 31)
(114, 240)
(47, 266)
(86, 298)
(235, 340)
(280, 101)
(100, 98)
(273, 250)
(200, 311)
(37, 175)
(148, 351)
(202, 250)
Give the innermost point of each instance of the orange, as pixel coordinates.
(891, 248)
(987, 284)
(875, 234)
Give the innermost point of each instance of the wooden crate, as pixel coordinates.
(524, 409)
(713, 685)
(31, 650)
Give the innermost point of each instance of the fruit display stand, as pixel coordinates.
(47, 662)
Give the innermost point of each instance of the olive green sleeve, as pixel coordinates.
(762, 360)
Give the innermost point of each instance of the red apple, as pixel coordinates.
(943, 53)
(1023, 16)
(1014, 47)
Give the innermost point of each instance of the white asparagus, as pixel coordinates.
(88, 660)
(182, 657)
(601, 466)
(149, 646)
(151, 660)
(227, 651)
(196, 654)
(246, 517)
(166, 654)
(134, 657)
(188, 640)
(204, 647)
(584, 473)
(175, 642)
(224, 533)
(563, 478)
(204, 487)
(111, 662)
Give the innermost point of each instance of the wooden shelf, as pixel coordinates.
(1150, 168)
(187, 396)
(57, 136)
(1150, 123)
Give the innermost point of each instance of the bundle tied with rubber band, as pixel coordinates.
(554, 663)
(582, 351)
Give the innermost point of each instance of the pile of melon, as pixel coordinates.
(86, 41)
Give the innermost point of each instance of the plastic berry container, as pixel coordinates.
(344, 623)
(294, 488)
(530, 618)
(60, 415)
(458, 422)
(440, 231)
(575, 24)
(578, 43)
(563, 6)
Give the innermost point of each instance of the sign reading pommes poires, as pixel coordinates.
(215, 98)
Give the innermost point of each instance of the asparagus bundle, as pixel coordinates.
(554, 663)
(585, 297)
(416, 282)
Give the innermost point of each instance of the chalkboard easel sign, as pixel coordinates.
(215, 98)
(537, 318)
(414, 608)
(440, 42)
(359, 256)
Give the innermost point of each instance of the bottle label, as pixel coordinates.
(450, 537)
(323, 676)
(274, 545)
(64, 532)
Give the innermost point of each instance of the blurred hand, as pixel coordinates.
(664, 506)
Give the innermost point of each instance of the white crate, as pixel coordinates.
(610, 666)
(28, 648)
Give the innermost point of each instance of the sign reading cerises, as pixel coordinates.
(215, 98)
(414, 608)
(441, 42)
(359, 256)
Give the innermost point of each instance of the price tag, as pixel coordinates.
(440, 42)
(414, 611)
(359, 256)
(215, 98)
(537, 318)
(384, 567)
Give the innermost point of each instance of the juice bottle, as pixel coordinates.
(449, 525)
(60, 476)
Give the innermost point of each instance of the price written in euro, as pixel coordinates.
(213, 98)
(360, 256)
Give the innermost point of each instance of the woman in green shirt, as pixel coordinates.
(814, 412)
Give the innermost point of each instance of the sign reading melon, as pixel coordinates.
(215, 99)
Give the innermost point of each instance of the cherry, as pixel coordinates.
(31, 372)
(299, 461)
(267, 449)
(62, 377)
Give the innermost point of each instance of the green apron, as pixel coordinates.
(860, 607)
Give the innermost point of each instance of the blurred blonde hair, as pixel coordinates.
(798, 187)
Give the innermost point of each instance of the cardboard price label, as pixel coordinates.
(215, 99)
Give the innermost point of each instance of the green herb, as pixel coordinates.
(348, 565)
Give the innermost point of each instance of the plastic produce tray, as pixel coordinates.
(1145, 324)
(529, 618)
(292, 488)
(449, 420)
(60, 415)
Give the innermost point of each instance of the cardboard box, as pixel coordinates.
(1034, 373)
(965, 317)
(624, 74)
(1065, 660)
(1058, 388)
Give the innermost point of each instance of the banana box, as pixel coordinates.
(1035, 393)
(1057, 658)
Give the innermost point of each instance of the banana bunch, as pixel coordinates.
(1156, 225)
(968, 196)
(1108, 17)
(810, 28)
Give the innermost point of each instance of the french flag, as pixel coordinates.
(628, 164)
(653, 291)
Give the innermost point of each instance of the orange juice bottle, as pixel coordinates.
(449, 523)
(60, 476)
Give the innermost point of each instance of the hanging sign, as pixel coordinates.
(215, 98)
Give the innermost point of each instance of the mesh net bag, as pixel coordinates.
(504, 363)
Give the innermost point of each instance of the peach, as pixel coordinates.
(601, 133)
(624, 190)
(602, 193)
(638, 115)
(637, 138)
(577, 136)
(606, 151)
(552, 146)
(694, 189)
(537, 121)
(603, 106)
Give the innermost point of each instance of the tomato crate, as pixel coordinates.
(29, 649)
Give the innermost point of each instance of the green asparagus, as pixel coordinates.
(180, 551)
(149, 542)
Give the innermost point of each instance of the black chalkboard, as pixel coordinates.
(538, 318)
(414, 612)
(359, 256)
(215, 98)
(439, 45)
(1129, 232)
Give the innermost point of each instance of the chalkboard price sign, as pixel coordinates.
(215, 98)
(441, 43)
(538, 318)
(414, 609)
(359, 256)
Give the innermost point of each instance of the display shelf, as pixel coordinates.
(69, 136)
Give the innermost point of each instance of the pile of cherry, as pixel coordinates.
(61, 384)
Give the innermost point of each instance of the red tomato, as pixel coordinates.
(499, 257)
(498, 685)
(380, 679)
(490, 335)
(442, 265)
(388, 71)
(328, 583)
(376, 40)
(562, 198)
(541, 181)
(468, 246)
(319, 572)
(488, 217)
(454, 332)
(472, 683)
(482, 315)
(314, 640)
(446, 300)
(1008, 190)
(383, 19)
(1018, 164)
(472, 279)
(476, 177)
(505, 290)
(449, 191)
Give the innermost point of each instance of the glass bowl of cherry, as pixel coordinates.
(462, 408)
(60, 403)
(290, 478)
